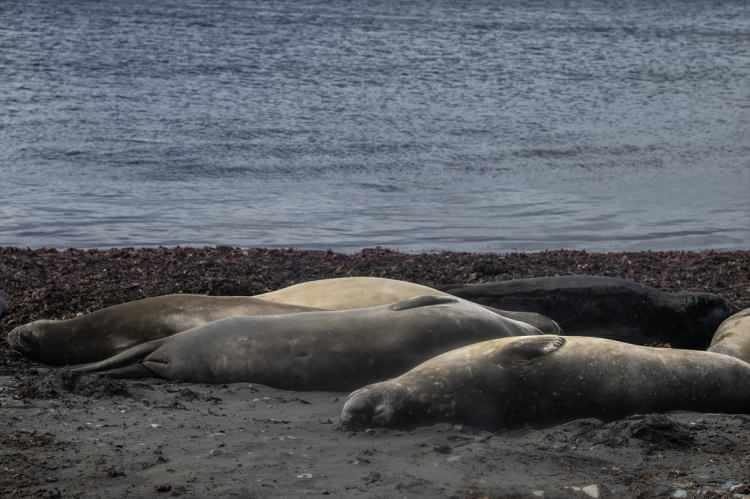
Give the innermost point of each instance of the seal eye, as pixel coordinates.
(22, 340)
(383, 414)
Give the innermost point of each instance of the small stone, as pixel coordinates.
(679, 493)
(304, 476)
(591, 490)
(537, 493)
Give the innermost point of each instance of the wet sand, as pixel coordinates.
(110, 438)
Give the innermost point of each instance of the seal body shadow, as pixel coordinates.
(733, 336)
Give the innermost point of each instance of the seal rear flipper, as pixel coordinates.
(132, 371)
(423, 301)
(539, 321)
(131, 356)
(527, 348)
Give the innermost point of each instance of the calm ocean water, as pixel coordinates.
(418, 125)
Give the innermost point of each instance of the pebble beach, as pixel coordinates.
(110, 438)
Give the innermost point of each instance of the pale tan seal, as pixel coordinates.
(342, 293)
(733, 336)
(538, 380)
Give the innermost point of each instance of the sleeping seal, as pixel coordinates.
(105, 332)
(733, 336)
(342, 293)
(607, 307)
(540, 380)
(329, 350)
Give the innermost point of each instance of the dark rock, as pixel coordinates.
(3, 303)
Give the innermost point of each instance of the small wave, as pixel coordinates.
(384, 188)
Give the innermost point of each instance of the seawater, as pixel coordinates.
(418, 125)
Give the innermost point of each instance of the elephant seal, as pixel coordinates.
(343, 293)
(609, 307)
(105, 332)
(542, 380)
(733, 336)
(327, 350)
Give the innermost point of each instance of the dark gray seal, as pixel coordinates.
(733, 336)
(609, 308)
(327, 350)
(540, 380)
(105, 332)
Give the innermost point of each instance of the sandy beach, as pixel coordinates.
(109, 438)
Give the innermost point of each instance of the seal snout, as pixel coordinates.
(368, 406)
(23, 340)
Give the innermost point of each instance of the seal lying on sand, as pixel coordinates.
(105, 332)
(329, 350)
(733, 336)
(609, 308)
(548, 379)
(343, 293)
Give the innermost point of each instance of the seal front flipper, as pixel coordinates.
(525, 349)
(423, 301)
(126, 358)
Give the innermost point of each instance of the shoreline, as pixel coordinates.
(112, 438)
(91, 278)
